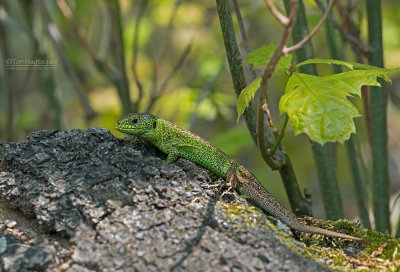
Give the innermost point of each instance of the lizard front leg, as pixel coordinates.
(172, 155)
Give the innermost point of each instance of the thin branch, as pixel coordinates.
(269, 68)
(176, 68)
(154, 77)
(7, 87)
(249, 67)
(281, 134)
(235, 62)
(139, 16)
(346, 35)
(287, 50)
(277, 14)
(156, 91)
(79, 32)
(207, 90)
(241, 26)
(55, 38)
(117, 39)
(300, 206)
(164, 85)
(104, 67)
(268, 113)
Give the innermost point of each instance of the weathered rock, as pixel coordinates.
(88, 201)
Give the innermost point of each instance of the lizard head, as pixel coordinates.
(142, 124)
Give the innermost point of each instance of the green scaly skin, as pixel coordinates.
(178, 142)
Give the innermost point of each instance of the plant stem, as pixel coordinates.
(6, 90)
(267, 73)
(299, 205)
(280, 137)
(71, 74)
(359, 183)
(380, 177)
(308, 38)
(322, 154)
(235, 63)
(119, 55)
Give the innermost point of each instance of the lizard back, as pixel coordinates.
(192, 147)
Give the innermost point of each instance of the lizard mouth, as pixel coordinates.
(129, 128)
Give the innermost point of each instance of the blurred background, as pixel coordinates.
(78, 64)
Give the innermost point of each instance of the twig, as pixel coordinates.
(79, 32)
(241, 26)
(117, 39)
(104, 67)
(281, 134)
(287, 50)
(208, 88)
(235, 62)
(154, 63)
(269, 68)
(300, 206)
(55, 38)
(277, 14)
(7, 87)
(164, 85)
(346, 35)
(176, 68)
(156, 92)
(268, 112)
(141, 9)
(249, 67)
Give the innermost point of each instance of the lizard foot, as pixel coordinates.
(229, 185)
(218, 186)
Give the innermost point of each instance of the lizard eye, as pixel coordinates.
(134, 121)
(154, 125)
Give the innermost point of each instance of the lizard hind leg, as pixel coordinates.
(229, 180)
(233, 178)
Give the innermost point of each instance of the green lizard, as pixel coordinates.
(178, 142)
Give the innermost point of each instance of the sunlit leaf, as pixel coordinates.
(381, 72)
(246, 95)
(326, 61)
(319, 106)
(262, 55)
(284, 63)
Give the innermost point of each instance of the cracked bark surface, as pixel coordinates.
(88, 201)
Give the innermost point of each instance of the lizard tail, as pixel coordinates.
(316, 230)
(250, 186)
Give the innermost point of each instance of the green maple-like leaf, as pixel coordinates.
(262, 55)
(349, 64)
(259, 57)
(319, 106)
(328, 61)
